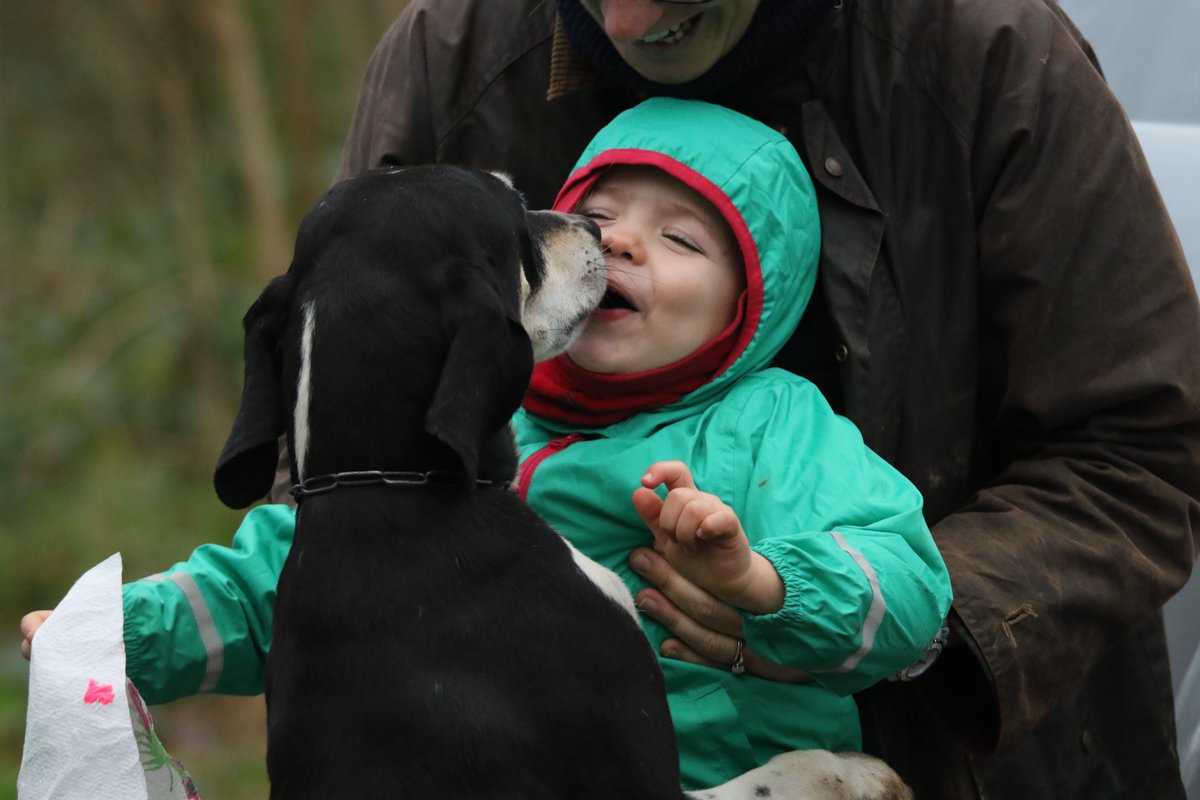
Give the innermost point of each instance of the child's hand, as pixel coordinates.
(702, 538)
(29, 626)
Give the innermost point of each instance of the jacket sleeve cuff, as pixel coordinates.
(762, 630)
(205, 624)
(160, 630)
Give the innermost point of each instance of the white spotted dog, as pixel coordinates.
(433, 637)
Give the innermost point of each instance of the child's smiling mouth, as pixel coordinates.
(614, 298)
(615, 304)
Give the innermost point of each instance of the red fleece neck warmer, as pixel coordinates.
(563, 391)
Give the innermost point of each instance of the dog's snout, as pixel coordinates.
(589, 225)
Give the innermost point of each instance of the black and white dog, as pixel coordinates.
(433, 637)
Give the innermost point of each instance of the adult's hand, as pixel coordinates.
(707, 630)
(29, 625)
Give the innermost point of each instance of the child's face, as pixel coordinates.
(674, 273)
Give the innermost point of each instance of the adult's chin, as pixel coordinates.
(712, 33)
(673, 64)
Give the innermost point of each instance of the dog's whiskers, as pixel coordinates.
(638, 274)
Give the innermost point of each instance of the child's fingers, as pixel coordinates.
(678, 517)
(672, 474)
(649, 506)
(720, 523)
(29, 626)
(693, 510)
(702, 516)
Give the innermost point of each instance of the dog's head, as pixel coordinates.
(397, 340)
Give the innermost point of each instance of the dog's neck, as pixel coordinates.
(418, 455)
(323, 484)
(360, 384)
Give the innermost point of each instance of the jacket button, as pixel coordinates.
(834, 167)
(1087, 742)
(842, 353)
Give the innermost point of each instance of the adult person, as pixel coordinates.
(1003, 310)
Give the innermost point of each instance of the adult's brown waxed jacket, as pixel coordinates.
(1007, 316)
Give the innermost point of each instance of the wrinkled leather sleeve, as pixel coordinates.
(393, 123)
(460, 81)
(1091, 332)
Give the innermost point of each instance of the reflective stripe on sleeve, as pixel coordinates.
(214, 648)
(874, 613)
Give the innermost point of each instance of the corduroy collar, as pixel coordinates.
(568, 72)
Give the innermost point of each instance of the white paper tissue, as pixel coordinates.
(88, 734)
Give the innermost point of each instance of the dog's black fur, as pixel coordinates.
(438, 641)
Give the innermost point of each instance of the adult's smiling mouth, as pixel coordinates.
(671, 35)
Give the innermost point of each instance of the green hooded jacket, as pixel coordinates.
(866, 590)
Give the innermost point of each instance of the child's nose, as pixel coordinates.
(623, 243)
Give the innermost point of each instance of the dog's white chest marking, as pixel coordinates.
(606, 580)
(304, 387)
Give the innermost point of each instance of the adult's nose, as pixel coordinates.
(627, 20)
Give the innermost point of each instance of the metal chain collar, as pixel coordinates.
(320, 484)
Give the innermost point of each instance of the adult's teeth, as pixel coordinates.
(668, 36)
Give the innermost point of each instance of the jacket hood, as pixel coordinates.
(753, 176)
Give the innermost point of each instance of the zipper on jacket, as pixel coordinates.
(526, 470)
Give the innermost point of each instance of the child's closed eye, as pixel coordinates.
(596, 213)
(683, 240)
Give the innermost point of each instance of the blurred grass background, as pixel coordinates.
(155, 159)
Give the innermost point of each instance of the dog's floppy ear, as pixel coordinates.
(486, 371)
(246, 467)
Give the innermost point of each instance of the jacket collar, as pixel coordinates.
(568, 72)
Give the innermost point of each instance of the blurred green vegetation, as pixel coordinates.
(155, 159)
